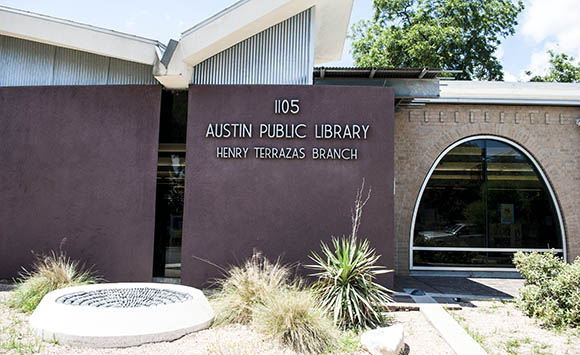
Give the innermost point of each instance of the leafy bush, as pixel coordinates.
(552, 290)
(537, 268)
(245, 287)
(49, 272)
(294, 318)
(346, 286)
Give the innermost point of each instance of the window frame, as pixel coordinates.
(460, 268)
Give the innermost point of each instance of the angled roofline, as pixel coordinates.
(246, 18)
(213, 17)
(79, 36)
(236, 23)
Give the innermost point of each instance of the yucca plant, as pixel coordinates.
(346, 283)
(49, 272)
(346, 276)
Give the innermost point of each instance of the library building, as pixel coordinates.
(162, 161)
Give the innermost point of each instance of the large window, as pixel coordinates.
(484, 200)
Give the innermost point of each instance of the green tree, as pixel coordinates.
(448, 34)
(562, 69)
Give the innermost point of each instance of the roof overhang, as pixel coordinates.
(235, 24)
(246, 18)
(507, 93)
(63, 33)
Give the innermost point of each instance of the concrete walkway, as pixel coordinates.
(503, 288)
(457, 338)
(429, 293)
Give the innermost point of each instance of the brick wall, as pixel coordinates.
(548, 133)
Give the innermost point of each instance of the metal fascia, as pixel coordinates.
(80, 25)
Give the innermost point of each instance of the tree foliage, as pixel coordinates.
(448, 34)
(562, 69)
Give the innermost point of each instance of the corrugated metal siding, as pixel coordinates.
(279, 55)
(28, 63)
(25, 62)
(77, 68)
(123, 72)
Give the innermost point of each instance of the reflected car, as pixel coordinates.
(455, 235)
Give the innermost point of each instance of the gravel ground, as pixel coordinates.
(503, 329)
(500, 327)
(15, 338)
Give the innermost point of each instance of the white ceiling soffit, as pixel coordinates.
(249, 17)
(331, 26)
(78, 36)
(246, 18)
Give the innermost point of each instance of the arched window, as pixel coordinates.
(484, 199)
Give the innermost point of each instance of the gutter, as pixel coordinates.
(497, 101)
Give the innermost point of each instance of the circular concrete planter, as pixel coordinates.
(121, 314)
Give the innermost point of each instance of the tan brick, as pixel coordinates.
(554, 145)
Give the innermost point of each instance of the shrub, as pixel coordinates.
(346, 286)
(245, 287)
(294, 318)
(49, 272)
(346, 275)
(552, 290)
(538, 268)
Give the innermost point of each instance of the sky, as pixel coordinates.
(543, 25)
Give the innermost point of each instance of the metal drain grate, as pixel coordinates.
(124, 297)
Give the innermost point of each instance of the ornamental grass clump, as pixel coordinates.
(346, 274)
(552, 289)
(294, 318)
(49, 272)
(247, 286)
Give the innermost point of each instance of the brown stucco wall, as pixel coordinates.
(549, 134)
(79, 163)
(282, 207)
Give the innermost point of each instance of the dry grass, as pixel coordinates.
(49, 272)
(246, 287)
(295, 319)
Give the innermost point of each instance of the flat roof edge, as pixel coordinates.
(498, 101)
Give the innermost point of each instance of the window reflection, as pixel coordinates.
(169, 211)
(170, 184)
(484, 194)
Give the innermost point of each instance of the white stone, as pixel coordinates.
(384, 341)
(101, 327)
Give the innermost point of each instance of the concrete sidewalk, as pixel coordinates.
(477, 287)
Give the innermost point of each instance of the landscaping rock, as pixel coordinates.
(384, 341)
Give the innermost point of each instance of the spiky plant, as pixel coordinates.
(246, 286)
(346, 283)
(48, 273)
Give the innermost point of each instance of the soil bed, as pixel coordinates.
(501, 328)
(16, 338)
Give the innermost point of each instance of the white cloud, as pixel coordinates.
(550, 24)
(507, 76)
(550, 18)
